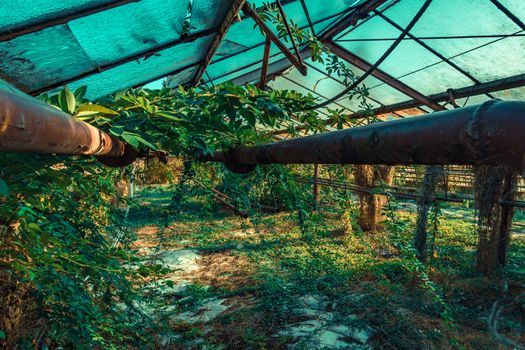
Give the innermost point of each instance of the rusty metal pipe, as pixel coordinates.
(29, 125)
(491, 133)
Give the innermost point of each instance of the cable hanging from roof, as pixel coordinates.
(380, 60)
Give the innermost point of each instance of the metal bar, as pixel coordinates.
(351, 19)
(509, 14)
(436, 53)
(391, 190)
(271, 35)
(273, 68)
(135, 57)
(29, 125)
(266, 57)
(489, 134)
(445, 37)
(164, 75)
(340, 82)
(289, 30)
(381, 75)
(483, 88)
(308, 18)
(315, 92)
(61, 20)
(228, 20)
(306, 49)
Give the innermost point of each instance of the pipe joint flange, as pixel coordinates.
(232, 165)
(128, 157)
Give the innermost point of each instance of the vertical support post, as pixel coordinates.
(506, 218)
(316, 187)
(266, 58)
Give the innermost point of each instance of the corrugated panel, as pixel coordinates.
(133, 28)
(43, 58)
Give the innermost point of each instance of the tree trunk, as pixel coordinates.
(316, 187)
(433, 174)
(490, 185)
(370, 205)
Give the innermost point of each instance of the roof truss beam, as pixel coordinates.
(228, 21)
(381, 75)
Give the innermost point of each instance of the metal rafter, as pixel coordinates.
(273, 37)
(442, 37)
(228, 20)
(62, 20)
(257, 71)
(483, 88)
(509, 14)
(351, 19)
(436, 53)
(381, 75)
(308, 18)
(314, 92)
(342, 83)
(289, 30)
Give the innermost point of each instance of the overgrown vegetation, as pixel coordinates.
(82, 266)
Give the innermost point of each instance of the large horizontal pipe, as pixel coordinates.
(491, 133)
(29, 125)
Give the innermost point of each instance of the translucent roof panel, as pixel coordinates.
(164, 63)
(126, 30)
(207, 14)
(44, 57)
(15, 14)
(108, 45)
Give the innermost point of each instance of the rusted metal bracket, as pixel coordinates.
(488, 134)
(273, 37)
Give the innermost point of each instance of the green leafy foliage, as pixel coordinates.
(58, 215)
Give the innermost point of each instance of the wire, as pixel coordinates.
(380, 60)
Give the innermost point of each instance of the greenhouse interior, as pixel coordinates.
(279, 174)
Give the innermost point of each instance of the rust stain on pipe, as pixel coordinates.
(491, 133)
(29, 125)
